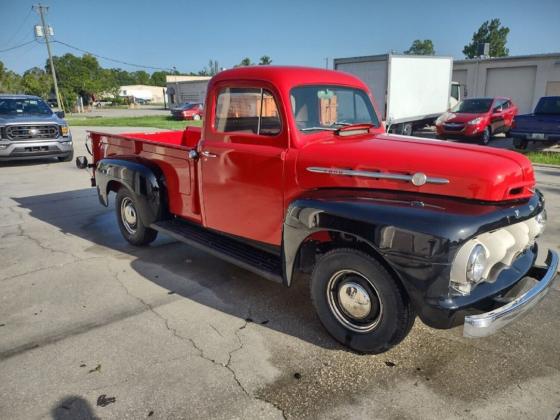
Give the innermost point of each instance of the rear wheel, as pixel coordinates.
(196, 117)
(520, 143)
(130, 223)
(359, 303)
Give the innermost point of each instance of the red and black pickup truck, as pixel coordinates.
(293, 172)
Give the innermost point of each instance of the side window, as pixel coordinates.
(247, 110)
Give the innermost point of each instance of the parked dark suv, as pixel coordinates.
(29, 129)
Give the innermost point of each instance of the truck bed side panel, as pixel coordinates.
(167, 152)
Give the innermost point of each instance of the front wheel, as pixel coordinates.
(485, 136)
(196, 117)
(359, 303)
(68, 158)
(130, 223)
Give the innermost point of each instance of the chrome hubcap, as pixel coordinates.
(128, 215)
(354, 301)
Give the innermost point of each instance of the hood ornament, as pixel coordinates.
(419, 179)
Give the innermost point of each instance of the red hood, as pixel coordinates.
(473, 172)
(464, 117)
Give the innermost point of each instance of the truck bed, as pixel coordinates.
(166, 149)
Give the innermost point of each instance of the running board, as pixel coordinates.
(233, 251)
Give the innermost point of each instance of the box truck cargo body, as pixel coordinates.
(410, 90)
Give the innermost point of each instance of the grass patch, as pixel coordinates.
(156, 121)
(548, 158)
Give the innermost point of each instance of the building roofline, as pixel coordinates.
(509, 58)
(383, 57)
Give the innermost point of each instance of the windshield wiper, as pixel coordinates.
(356, 126)
(319, 128)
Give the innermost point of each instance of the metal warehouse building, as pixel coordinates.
(186, 88)
(523, 78)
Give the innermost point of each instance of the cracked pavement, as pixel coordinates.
(171, 332)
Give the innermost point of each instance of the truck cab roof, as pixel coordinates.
(286, 77)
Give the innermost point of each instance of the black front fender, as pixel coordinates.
(416, 235)
(143, 179)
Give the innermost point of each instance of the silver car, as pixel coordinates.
(29, 129)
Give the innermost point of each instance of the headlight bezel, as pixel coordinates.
(475, 121)
(64, 130)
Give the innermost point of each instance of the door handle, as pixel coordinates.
(207, 154)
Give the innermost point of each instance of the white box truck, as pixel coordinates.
(411, 90)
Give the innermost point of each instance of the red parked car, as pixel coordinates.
(478, 118)
(188, 111)
(293, 177)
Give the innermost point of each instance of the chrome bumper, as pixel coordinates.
(483, 325)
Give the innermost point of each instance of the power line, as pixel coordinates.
(112, 59)
(17, 46)
(20, 26)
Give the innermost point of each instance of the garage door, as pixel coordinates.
(518, 83)
(553, 89)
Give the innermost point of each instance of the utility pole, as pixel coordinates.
(41, 10)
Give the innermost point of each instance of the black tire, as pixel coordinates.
(68, 158)
(348, 272)
(406, 129)
(486, 136)
(520, 143)
(135, 231)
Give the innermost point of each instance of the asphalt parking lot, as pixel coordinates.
(91, 327)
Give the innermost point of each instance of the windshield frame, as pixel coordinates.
(541, 103)
(368, 100)
(456, 109)
(41, 103)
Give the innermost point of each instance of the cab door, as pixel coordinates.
(242, 163)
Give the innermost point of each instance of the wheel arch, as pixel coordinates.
(311, 230)
(144, 180)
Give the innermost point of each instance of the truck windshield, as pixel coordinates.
(321, 107)
(548, 106)
(20, 106)
(473, 106)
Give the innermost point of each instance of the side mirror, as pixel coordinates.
(60, 114)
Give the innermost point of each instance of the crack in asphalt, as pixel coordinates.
(193, 343)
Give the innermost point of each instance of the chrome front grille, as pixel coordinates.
(32, 132)
(453, 126)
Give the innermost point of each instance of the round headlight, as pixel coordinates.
(541, 221)
(476, 264)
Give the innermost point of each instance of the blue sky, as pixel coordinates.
(186, 34)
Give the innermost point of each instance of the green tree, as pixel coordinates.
(141, 77)
(419, 47)
(10, 82)
(492, 32)
(158, 78)
(36, 81)
(245, 62)
(81, 76)
(265, 60)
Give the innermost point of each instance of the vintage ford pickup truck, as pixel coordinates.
(292, 172)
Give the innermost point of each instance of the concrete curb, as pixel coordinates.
(545, 165)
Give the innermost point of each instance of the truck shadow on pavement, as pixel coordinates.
(183, 270)
(439, 362)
